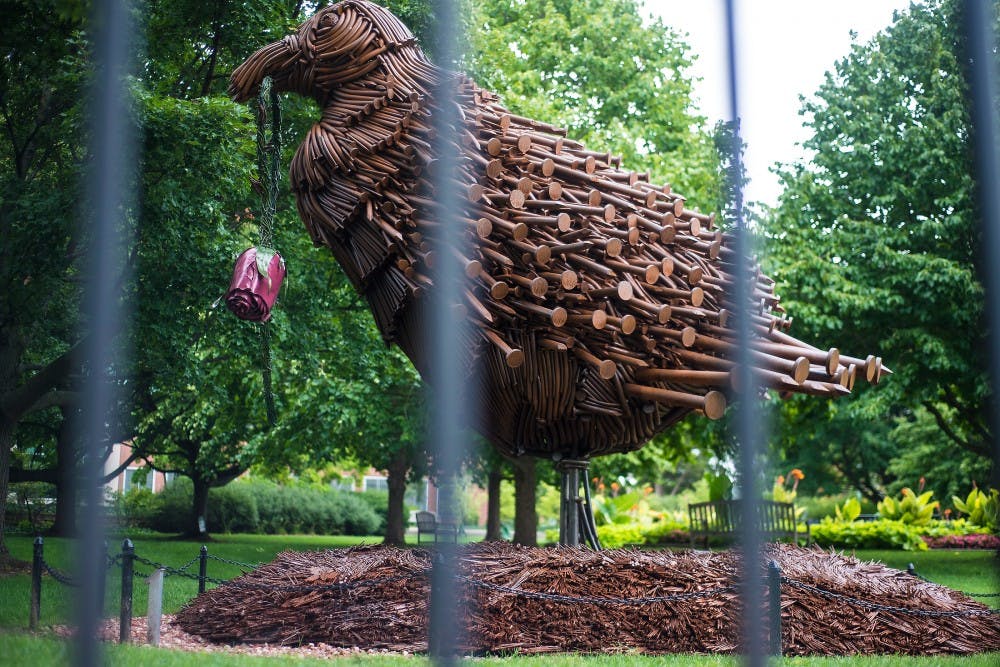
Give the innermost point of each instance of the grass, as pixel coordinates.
(20, 649)
(973, 571)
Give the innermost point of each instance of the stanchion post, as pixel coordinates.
(37, 557)
(125, 613)
(154, 609)
(774, 605)
(202, 568)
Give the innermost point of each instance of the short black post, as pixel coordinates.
(910, 570)
(125, 614)
(36, 583)
(202, 568)
(102, 577)
(774, 605)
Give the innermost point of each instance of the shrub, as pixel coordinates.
(910, 509)
(232, 509)
(617, 535)
(820, 507)
(938, 528)
(666, 531)
(982, 509)
(132, 508)
(170, 510)
(259, 506)
(973, 541)
(880, 534)
(849, 512)
(378, 501)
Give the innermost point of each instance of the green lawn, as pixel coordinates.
(973, 571)
(19, 649)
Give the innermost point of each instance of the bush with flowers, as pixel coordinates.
(785, 489)
(906, 523)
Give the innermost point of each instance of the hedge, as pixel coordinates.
(254, 507)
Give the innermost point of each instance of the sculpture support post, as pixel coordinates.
(570, 502)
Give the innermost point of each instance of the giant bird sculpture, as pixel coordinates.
(600, 301)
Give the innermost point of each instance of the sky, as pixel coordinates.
(784, 47)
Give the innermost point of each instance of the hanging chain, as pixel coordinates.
(268, 164)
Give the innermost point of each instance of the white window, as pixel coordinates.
(376, 483)
(138, 478)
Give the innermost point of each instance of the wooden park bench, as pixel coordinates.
(427, 524)
(721, 519)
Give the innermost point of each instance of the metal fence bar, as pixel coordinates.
(125, 608)
(774, 607)
(450, 406)
(981, 46)
(747, 414)
(106, 199)
(202, 568)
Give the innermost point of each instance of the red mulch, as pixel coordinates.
(392, 615)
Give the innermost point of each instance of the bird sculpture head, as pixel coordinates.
(599, 301)
(340, 44)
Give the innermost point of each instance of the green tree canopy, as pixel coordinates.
(875, 240)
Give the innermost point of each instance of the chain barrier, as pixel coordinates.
(244, 566)
(874, 606)
(189, 563)
(61, 577)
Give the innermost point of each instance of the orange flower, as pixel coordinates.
(781, 480)
(797, 474)
(615, 486)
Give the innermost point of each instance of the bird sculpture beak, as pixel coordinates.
(277, 60)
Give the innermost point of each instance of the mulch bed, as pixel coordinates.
(390, 610)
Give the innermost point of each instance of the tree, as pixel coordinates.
(616, 81)
(876, 238)
(42, 77)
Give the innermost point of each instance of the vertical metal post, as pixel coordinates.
(570, 530)
(125, 608)
(202, 568)
(981, 44)
(747, 418)
(573, 512)
(106, 200)
(448, 371)
(154, 607)
(37, 556)
(774, 606)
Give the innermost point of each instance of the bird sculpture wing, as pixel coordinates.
(600, 301)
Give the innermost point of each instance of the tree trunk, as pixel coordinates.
(395, 523)
(200, 509)
(6, 442)
(525, 515)
(493, 504)
(65, 520)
